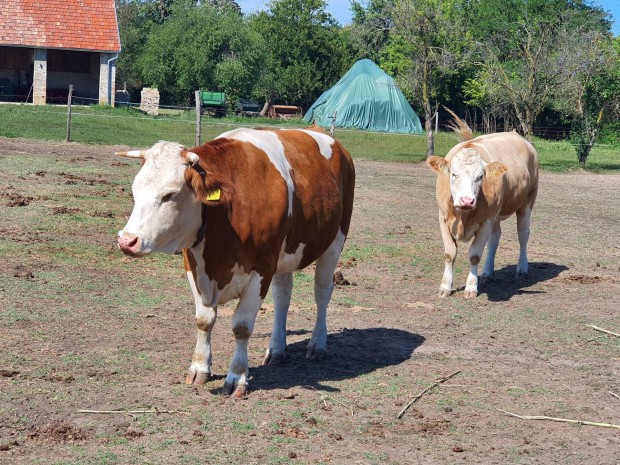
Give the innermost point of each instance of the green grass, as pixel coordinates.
(109, 126)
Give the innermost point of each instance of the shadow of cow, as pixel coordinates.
(504, 285)
(350, 353)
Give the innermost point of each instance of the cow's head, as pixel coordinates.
(467, 172)
(168, 192)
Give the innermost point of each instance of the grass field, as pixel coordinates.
(108, 126)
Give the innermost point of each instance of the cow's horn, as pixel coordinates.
(193, 158)
(132, 154)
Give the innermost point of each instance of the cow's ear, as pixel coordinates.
(495, 168)
(210, 189)
(439, 165)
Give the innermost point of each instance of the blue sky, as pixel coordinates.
(339, 9)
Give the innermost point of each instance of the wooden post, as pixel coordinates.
(197, 118)
(332, 129)
(436, 122)
(69, 113)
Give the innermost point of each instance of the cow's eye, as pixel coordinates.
(167, 197)
(455, 176)
(479, 178)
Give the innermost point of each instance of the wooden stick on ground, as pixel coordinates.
(432, 386)
(596, 328)
(563, 420)
(132, 412)
(615, 395)
(323, 397)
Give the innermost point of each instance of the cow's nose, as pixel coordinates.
(128, 243)
(467, 202)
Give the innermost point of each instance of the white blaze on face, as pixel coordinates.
(466, 175)
(166, 216)
(270, 143)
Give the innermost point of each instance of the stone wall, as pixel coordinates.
(149, 101)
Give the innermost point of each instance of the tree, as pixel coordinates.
(595, 93)
(429, 34)
(201, 46)
(371, 27)
(528, 50)
(306, 51)
(135, 19)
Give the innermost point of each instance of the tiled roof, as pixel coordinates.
(65, 24)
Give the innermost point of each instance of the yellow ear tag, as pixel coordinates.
(214, 196)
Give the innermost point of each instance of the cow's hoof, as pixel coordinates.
(316, 354)
(470, 294)
(522, 274)
(197, 378)
(232, 391)
(444, 293)
(274, 358)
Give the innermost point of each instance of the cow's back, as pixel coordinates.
(289, 187)
(324, 180)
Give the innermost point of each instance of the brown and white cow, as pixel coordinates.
(480, 183)
(247, 209)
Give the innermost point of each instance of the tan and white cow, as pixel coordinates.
(247, 209)
(480, 183)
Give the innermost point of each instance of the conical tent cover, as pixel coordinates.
(365, 98)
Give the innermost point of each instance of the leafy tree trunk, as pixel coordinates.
(525, 118)
(428, 116)
(585, 132)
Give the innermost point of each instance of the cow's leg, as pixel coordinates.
(523, 232)
(200, 369)
(281, 290)
(242, 325)
(450, 249)
(489, 263)
(475, 253)
(323, 287)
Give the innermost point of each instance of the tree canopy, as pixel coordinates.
(513, 65)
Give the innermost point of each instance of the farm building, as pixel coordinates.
(365, 98)
(47, 46)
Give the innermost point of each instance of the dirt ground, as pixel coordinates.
(85, 328)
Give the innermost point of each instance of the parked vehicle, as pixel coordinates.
(247, 107)
(212, 103)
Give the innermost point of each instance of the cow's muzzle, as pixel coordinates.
(466, 203)
(130, 244)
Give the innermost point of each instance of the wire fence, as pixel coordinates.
(188, 124)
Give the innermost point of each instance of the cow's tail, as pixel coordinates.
(460, 127)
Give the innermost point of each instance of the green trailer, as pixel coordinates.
(212, 103)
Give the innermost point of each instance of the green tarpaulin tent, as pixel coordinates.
(365, 98)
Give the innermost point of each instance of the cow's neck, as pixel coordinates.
(200, 235)
(461, 224)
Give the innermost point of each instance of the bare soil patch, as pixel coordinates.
(85, 328)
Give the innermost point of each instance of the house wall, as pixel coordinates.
(107, 78)
(50, 72)
(39, 89)
(85, 84)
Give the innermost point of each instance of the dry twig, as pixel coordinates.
(615, 395)
(596, 328)
(432, 386)
(324, 397)
(133, 412)
(563, 420)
